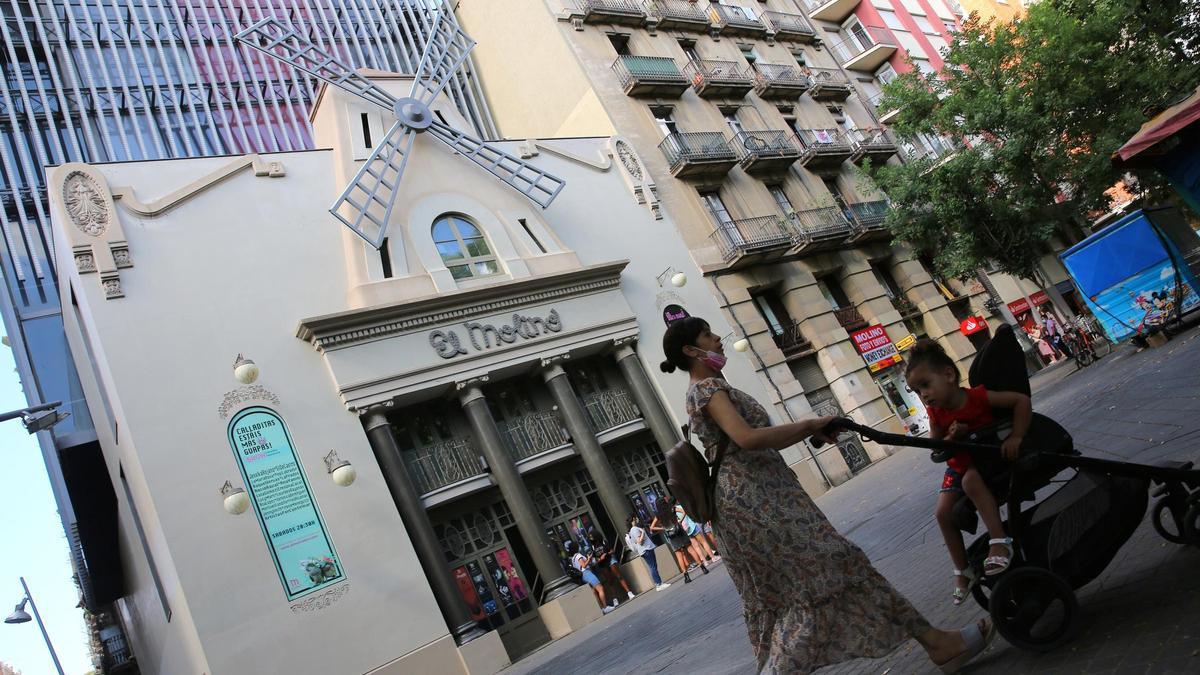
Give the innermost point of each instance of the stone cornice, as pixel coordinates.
(334, 331)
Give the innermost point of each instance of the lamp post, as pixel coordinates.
(19, 615)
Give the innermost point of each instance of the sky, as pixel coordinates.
(34, 546)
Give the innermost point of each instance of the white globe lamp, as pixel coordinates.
(679, 280)
(245, 370)
(741, 345)
(341, 471)
(236, 500)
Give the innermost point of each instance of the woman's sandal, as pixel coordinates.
(998, 563)
(977, 640)
(960, 594)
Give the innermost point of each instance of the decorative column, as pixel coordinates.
(643, 392)
(594, 459)
(512, 487)
(420, 530)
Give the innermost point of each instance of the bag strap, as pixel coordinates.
(715, 466)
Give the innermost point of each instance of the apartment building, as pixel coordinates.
(753, 120)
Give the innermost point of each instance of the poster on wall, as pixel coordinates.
(479, 581)
(291, 523)
(467, 590)
(876, 348)
(511, 577)
(1143, 301)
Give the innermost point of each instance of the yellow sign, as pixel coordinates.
(906, 342)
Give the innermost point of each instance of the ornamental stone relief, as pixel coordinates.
(628, 160)
(321, 600)
(85, 204)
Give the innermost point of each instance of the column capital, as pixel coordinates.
(469, 390)
(556, 360)
(375, 415)
(627, 341)
(552, 366)
(624, 350)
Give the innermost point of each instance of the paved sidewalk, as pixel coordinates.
(1140, 616)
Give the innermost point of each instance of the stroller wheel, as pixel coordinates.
(1034, 608)
(1191, 525)
(1166, 523)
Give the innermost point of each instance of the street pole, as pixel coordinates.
(33, 606)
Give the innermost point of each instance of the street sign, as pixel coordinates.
(972, 325)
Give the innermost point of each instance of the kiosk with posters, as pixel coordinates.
(883, 360)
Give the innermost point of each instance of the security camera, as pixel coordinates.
(43, 421)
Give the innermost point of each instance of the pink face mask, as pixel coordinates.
(714, 360)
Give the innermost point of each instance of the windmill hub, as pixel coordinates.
(413, 114)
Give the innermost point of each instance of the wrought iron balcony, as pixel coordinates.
(866, 49)
(874, 144)
(829, 10)
(623, 12)
(766, 152)
(678, 15)
(823, 149)
(703, 153)
(820, 229)
(442, 464)
(869, 219)
(850, 318)
(780, 81)
(609, 409)
(828, 84)
(719, 79)
(906, 307)
(788, 26)
(752, 237)
(791, 341)
(116, 656)
(533, 434)
(730, 20)
(656, 76)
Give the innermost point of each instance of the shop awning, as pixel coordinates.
(1161, 127)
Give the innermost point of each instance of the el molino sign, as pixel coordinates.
(482, 337)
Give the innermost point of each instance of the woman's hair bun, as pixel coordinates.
(667, 367)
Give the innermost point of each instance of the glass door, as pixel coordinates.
(725, 224)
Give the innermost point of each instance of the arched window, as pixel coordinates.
(463, 248)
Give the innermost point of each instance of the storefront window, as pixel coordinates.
(463, 248)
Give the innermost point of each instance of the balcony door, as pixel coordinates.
(771, 308)
(781, 200)
(858, 35)
(665, 119)
(726, 228)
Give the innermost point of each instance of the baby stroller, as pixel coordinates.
(1067, 538)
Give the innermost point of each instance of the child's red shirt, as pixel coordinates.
(975, 413)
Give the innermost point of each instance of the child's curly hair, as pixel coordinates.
(929, 353)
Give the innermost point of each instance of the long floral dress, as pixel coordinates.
(811, 598)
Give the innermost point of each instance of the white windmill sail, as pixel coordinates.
(365, 206)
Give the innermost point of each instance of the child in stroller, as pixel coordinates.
(954, 412)
(1066, 538)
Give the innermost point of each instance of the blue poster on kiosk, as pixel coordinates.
(1132, 276)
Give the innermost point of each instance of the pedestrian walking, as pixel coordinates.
(606, 564)
(695, 532)
(583, 563)
(811, 598)
(640, 544)
(677, 539)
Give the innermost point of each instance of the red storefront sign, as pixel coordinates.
(972, 325)
(1020, 306)
(876, 347)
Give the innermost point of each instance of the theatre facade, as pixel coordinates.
(422, 427)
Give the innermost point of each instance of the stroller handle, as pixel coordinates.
(943, 449)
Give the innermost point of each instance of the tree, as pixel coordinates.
(1038, 106)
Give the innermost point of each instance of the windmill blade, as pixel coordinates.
(529, 180)
(447, 48)
(383, 169)
(278, 40)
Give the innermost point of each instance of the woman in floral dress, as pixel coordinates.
(811, 598)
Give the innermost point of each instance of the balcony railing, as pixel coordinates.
(698, 153)
(627, 12)
(611, 408)
(780, 81)
(677, 15)
(869, 220)
(865, 49)
(650, 76)
(116, 655)
(443, 464)
(790, 26)
(823, 148)
(738, 238)
(791, 340)
(905, 306)
(533, 434)
(829, 10)
(820, 228)
(730, 20)
(849, 318)
(719, 79)
(766, 151)
(828, 84)
(885, 115)
(873, 143)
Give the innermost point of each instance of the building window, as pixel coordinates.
(834, 294)
(748, 54)
(665, 119)
(732, 120)
(886, 279)
(885, 74)
(620, 43)
(689, 49)
(781, 199)
(463, 248)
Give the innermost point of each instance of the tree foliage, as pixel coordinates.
(1038, 106)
